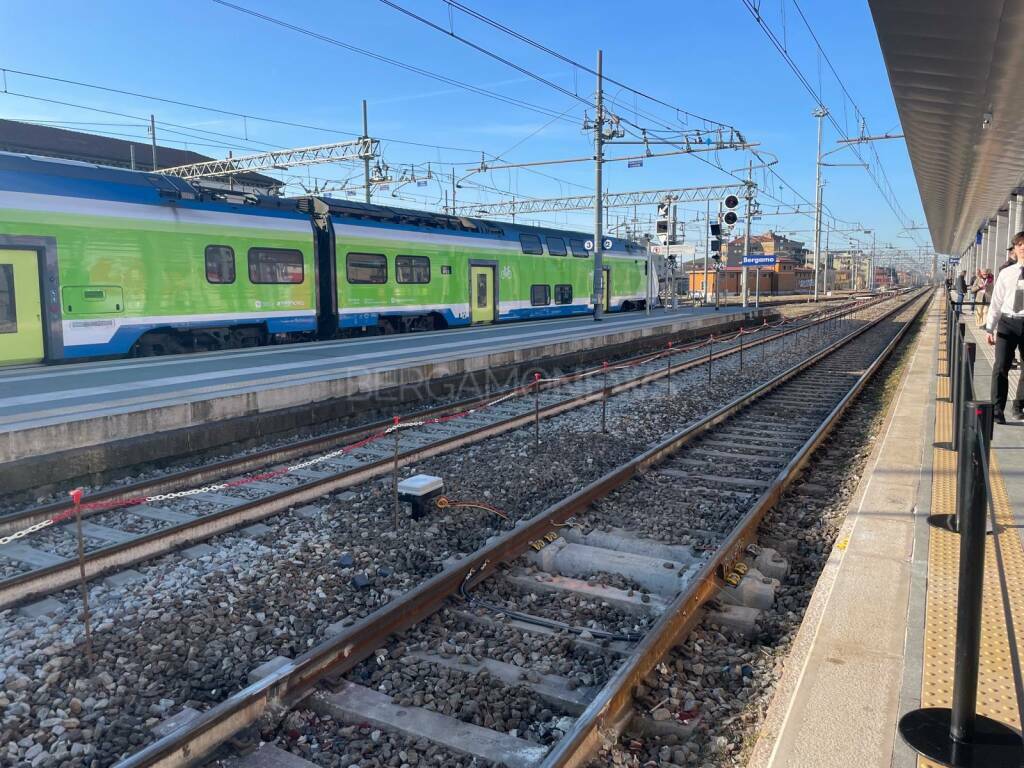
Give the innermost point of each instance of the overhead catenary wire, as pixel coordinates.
(208, 108)
(532, 42)
(888, 195)
(579, 65)
(169, 127)
(388, 60)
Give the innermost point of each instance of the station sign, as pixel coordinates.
(678, 249)
(954, 259)
(758, 260)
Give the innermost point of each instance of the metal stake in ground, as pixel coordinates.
(604, 400)
(668, 376)
(741, 347)
(76, 497)
(536, 408)
(394, 477)
(764, 343)
(711, 346)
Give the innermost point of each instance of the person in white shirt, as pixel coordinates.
(1005, 326)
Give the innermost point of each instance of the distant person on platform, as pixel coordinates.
(983, 296)
(1005, 328)
(961, 289)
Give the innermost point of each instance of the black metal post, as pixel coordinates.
(741, 347)
(971, 505)
(949, 338)
(954, 388)
(968, 354)
(959, 736)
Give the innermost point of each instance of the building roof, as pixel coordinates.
(766, 237)
(955, 70)
(47, 141)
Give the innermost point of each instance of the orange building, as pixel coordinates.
(785, 276)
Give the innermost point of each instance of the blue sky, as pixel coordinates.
(710, 58)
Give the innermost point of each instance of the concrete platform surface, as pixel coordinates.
(48, 394)
(878, 637)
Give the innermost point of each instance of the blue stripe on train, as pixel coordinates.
(366, 319)
(126, 336)
(369, 319)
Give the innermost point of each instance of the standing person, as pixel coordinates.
(1005, 328)
(983, 297)
(1014, 253)
(976, 283)
(961, 289)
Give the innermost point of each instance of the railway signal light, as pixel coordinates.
(730, 216)
(662, 225)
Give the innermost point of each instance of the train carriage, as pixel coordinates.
(111, 262)
(400, 270)
(99, 262)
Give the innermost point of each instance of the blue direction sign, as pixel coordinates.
(758, 260)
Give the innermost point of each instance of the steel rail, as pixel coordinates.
(263, 459)
(288, 685)
(608, 712)
(118, 556)
(267, 458)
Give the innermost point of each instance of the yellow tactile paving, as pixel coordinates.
(996, 697)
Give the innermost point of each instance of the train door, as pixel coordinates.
(606, 287)
(21, 313)
(481, 294)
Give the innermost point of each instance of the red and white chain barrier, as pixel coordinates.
(398, 424)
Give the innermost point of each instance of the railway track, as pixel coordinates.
(606, 545)
(128, 525)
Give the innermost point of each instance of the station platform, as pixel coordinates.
(139, 404)
(878, 637)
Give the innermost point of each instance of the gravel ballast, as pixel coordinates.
(189, 633)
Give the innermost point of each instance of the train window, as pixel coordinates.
(369, 268)
(579, 249)
(563, 294)
(220, 264)
(540, 295)
(8, 313)
(275, 265)
(531, 244)
(481, 291)
(412, 269)
(556, 246)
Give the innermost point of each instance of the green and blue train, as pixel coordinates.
(100, 262)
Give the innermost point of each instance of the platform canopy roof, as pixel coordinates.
(957, 74)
